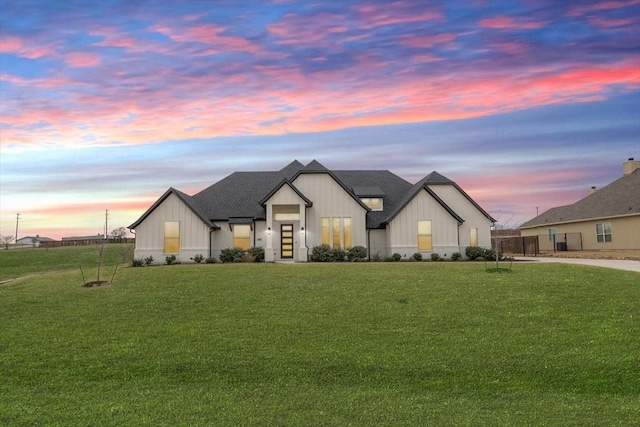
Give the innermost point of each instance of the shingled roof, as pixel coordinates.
(620, 198)
(243, 194)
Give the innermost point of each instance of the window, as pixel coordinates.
(375, 203)
(242, 236)
(603, 232)
(325, 231)
(336, 232)
(552, 234)
(473, 237)
(171, 237)
(286, 216)
(424, 236)
(347, 232)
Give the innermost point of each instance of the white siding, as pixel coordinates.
(403, 229)
(330, 200)
(194, 234)
(472, 217)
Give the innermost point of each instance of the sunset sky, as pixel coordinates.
(106, 104)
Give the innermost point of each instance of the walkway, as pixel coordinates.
(619, 264)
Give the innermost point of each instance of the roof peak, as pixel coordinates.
(315, 165)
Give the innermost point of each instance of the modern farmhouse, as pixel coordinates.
(606, 219)
(288, 212)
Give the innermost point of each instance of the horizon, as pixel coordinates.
(105, 106)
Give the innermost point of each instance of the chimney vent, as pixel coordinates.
(593, 190)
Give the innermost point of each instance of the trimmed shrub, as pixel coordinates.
(473, 252)
(456, 256)
(137, 262)
(357, 253)
(322, 253)
(394, 258)
(435, 257)
(257, 253)
(148, 260)
(417, 256)
(231, 254)
(338, 254)
(210, 260)
(171, 259)
(198, 258)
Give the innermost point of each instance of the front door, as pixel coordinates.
(286, 241)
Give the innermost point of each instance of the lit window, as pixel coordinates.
(325, 231)
(286, 216)
(242, 236)
(424, 236)
(375, 203)
(603, 232)
(473, 237)
(347, 233)
(171, 237)
(336, 232)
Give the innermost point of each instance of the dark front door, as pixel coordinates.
(286, 241)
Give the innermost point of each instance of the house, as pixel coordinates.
(33, 241)
(288, 212)
(606, 219)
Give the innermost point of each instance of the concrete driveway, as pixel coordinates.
(619, 264)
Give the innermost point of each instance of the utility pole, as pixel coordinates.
(17, 219)
(106, 216)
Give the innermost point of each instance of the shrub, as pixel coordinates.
(394, 258)
(322, 253)
(171, 259)
(417, 256)
(338, 254)
(148, 260)
(473, 252)
(435, 257)
(456, 256)
(231, 254)
(210, 260)
(198, 258)
(257, 254)
(357, 253)
(137, 262)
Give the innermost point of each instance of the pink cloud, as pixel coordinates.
(399, 12)
(601, 22)
(82, 59)
(505, 22)
(22, 48)
(600, 6)
(427, 41)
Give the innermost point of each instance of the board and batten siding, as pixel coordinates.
(403, 229)
(330, 200)
(472, 217)
(194, 234)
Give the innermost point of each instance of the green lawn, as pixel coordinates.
(322, 344)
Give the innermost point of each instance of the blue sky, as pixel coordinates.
(525, 104)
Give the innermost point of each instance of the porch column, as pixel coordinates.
(302, 238)
(268, 250)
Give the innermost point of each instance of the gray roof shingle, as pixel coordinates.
(620, 198)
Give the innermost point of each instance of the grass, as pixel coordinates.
(323, 344)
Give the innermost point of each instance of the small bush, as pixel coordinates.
(198, 258)
(210, 260)
(435, 257)
(257, 253)
(148, 260)
(417, 256)
(338, 254)
(456, 256)
(171, 259)
(322, 253)
(394, 258)
(473, 252)
(357, 253)
(137, 262)
(230, 255)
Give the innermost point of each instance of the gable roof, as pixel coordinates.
(244, 194)
(620, 198)
(186, 199)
